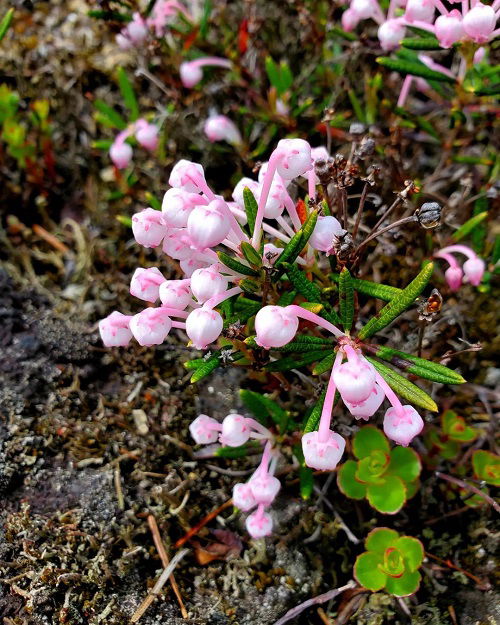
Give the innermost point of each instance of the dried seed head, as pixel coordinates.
(430, 307)
(343, 245)
(323, 170)
(356, 129)
(429, 215)
(366, 148)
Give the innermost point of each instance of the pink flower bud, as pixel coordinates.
(149, 227)
(208, 225)
(207, 282)
(479, 23)
(366, 409)
(390, 34)
(136, 30)
(254, 187)
(221, 128)
(204, 430)
(243, 497)
(449, 28)
(364, 8)
(145, 284)
(474, 270)
(185, 175)
(264, 487)
(147, 136)
(402, 425)
(114, 330)
(177, 244)
(296, 158)
(350, 19)
(275, 326)
(322, 455)
(422, 10)
(176, 206)
(235, 430)
(259, 523)
(190, 265)
(175, 294)
(203, 326)
(454, 277)
(325, 230)
(121, 154)
(150, 326)
(355, 380)
(190, 73)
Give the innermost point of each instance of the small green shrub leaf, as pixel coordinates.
(251, 254)
(367, 440)
(405, 463)
(346, 299)
(421, 43)
(128, 94)
(306, 480)
(312, 422)
(380, 291)
(346, 480)
(387, 497)
(109, 115)
(294, 362)
(486, 466)
(324, 365)
(305, 287)
(367, 572)
(5, 23)
(466, 228)
(235, 265)
(380, 539)
(297, 243)
(250, 208)
(414, 68)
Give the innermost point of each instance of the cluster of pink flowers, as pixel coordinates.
(475, 22)
(261, 489)
(146, 135)
(473, 268)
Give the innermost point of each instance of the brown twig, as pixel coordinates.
(483, 585)
(359, 213)
(160, 547)
(469, 487)
(374, 235)
(50, 239)
(322, 615)
(194, 530)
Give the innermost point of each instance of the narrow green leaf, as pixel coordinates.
(306, 480)
(250, 208)
(421, 43)
(297, 243)
(346, 299)
(414, 68)
(233, 452)
(128, 94)
(153, 201)
(466, 228)
(312, 422)
(263, 408)
(102, 144)
(194, 363)
(124, 220)
(207, 10)
(380, 291)
(5, 23)
(251, 254)
(305, 287)
(335, 30)
(273, 73)
(206, 369)
(356, 106)
(115, 120)
(488, 91)
(235, 265)
(418, 366)
(324, 365)
(109, 16)
(398, 304)
(287, 298)
(295, 362)
(404, 387)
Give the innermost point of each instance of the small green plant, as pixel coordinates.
(486, 467)
(446, 442)
(390, 562)
(386, 477)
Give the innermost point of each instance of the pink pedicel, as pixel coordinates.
(366, 409)
(204, 430)
(221, 128)
(259, 524)
(235, 430)
(149, 227)
(402, 424)
(275, 326)
(207, 282)
(151, 326)
(114, 330)
(324, 233)
(323, 453)
(146, 134)
(203, 326)
(145, 284)
(175, 294)
(209, 225)
(177, 205)
(121, 154)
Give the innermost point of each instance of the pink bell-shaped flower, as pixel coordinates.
(203, 326)
(137, 30)
(259, 524)
(295, 158)
(177, 205)
(364, 9)
(208, 225)
(454, 276)
(325, 230)
(150, 326)
(350, 19)
(185, 175)
(115, 330)
(355, 380)
(177, 244)
(254, 187)
(390, 34)
(149, 227)
(243, 497)
(235, 430)
(175, 294)
(421, 10)
(221, 128)
(449, 28)
(121, 154)
(264, 487)
(190, 265)
(207, 282)
(366, 409)
(146, 135)
(275, 326)
(190, 73)
(402, 424)
(474, 270)
(275, 202)
(204, 430)
(322, 455)
(479, 23)
(145, 283)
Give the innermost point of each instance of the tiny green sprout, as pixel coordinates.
(486, 467)
(386, 477)
(445, 443)
(390, 562)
